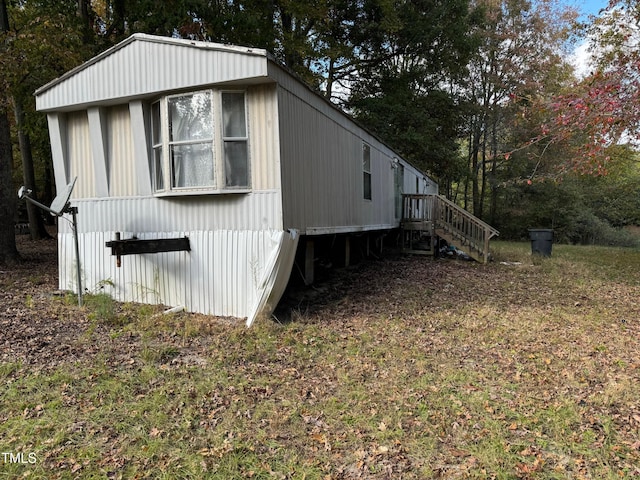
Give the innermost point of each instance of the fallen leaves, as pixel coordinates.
(401, 368)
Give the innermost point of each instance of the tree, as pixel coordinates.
(36, 223)
(8, 251)
(313, 39)
(412, 58)
(519, 60)
(603, 108)
(580, 208)
(35, 54)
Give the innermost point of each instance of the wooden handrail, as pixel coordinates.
(451, 219)
(416, 208)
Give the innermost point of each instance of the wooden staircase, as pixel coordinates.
(425, 217)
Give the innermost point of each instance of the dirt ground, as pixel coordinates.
(41, 326)
(31, 333)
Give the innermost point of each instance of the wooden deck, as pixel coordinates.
(428, 217)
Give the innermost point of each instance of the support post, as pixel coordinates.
(309, 256)
(347, 250)
(74, 212)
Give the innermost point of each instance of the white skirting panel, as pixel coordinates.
(226, 273)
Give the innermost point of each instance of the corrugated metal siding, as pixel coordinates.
(263, 137)
(80, 156)
(250, 211)
(322, 171)
(276, 274)
(221, 275)
(146, 65)
(293, 96)
(120, 158)
(425, 184)
(291, 84)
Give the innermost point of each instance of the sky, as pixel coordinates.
(580, 57)
(587, 7)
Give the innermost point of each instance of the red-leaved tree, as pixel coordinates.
(603, 108)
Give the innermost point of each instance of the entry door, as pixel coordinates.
(398, 188)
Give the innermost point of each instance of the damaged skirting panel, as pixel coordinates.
(225, 273)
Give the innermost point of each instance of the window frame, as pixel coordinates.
(162, 167)
(367, 180)
(157, 145)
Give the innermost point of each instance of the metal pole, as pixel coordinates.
(74, 211)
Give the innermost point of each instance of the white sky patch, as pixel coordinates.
(618, 22)
(582, 59)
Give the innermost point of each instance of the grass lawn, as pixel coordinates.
(396, 369)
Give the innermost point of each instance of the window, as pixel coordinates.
(200, 142)
(158, 174)
(366, 171)
(234, 137)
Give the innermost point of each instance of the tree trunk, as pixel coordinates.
(36, 223)
(478, 210)
(8, 251)
(475, 168)
(83, 13)
(467, 177)
(330, 78)
(4, 17)
(493, 180)
(48, 186)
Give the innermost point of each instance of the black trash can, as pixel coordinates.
(541, 241)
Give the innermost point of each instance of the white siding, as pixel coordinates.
(80, 156)
(57, 123)
(322, 170)
(222, 275)
(321, 164)
(143, 65)
(425, 184)
(120, 157)
(263, 137)
(247, 211)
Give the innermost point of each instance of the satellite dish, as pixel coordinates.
(59, 206)
(60, 202)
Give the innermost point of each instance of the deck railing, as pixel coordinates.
(418, 208)
(451, 222)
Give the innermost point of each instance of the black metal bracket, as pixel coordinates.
(135, 246)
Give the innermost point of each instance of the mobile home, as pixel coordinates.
(199, 169)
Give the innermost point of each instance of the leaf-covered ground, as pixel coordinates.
(400, 368)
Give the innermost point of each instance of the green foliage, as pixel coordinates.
(404, 91)
(101, 308)
(580, 208)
